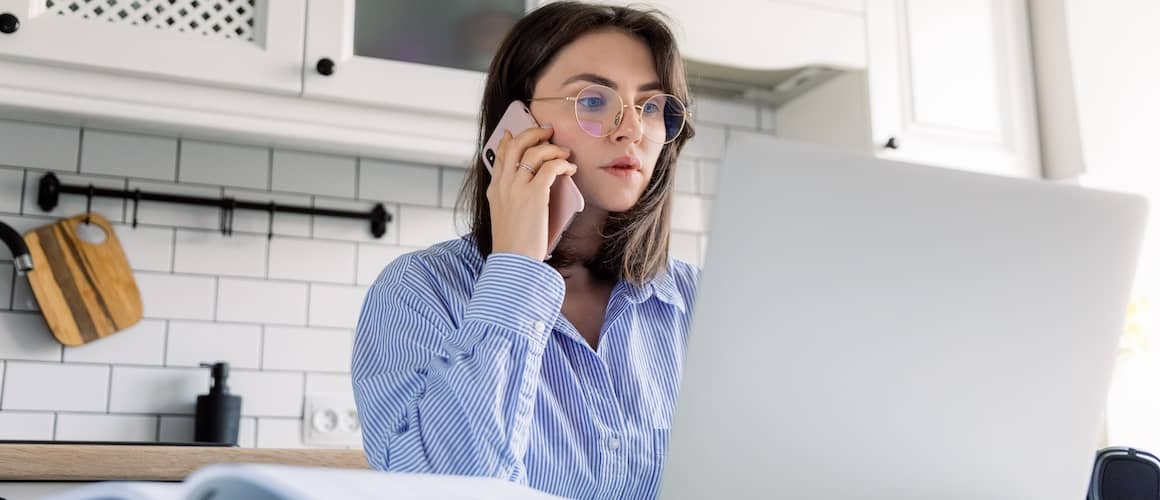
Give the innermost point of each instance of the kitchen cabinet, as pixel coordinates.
(378, 78)
(950, 84)
(255, 44)
(763, 42)
(425, 55)
(947, 83)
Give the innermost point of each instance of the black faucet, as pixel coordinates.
(19, 250)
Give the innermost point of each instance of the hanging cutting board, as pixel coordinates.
(85, 290)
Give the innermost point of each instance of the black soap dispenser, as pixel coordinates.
(219, 412)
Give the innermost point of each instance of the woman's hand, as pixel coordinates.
(519, 197)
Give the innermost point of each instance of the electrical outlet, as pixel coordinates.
(331, 420)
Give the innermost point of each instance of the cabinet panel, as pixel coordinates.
(254, 44)
(953, 77)
(429, 56)
(951, 85)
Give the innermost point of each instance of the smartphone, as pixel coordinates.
(564, 200)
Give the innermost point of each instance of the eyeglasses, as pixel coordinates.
(599, 111)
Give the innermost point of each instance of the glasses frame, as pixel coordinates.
(620, 114)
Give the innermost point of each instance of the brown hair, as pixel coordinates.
(635, 243)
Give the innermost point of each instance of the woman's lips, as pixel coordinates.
(622, 172)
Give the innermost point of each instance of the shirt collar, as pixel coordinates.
(663, 287)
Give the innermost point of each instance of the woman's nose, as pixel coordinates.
(631, 127)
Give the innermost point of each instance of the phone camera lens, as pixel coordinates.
(490, 156)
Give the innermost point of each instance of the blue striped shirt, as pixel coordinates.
(466, 366)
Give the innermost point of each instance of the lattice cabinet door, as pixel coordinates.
(254, 44)
(421, 55)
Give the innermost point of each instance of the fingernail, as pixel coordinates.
(546, 125)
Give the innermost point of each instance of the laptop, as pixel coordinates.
(869, 329)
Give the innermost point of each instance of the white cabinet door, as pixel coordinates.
(254, 44)
(428, 56)
(951, 84)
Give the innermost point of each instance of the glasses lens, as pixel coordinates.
(664, 117)
(596, 110)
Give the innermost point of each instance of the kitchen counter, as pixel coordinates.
(145, 462)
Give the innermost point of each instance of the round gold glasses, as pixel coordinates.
(600, 110)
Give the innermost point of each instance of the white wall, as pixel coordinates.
(1099, 84)
(282, 311)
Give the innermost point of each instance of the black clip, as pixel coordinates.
(89, 204)
(136, 204)
(271, 207)
(228, 205)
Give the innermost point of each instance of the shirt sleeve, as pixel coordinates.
(437, 398)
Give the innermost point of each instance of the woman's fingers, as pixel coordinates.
(536, 156)
(548, 173)
(511, 149)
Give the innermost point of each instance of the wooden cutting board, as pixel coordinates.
(85, 290)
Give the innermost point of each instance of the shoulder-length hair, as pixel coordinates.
(635, 242)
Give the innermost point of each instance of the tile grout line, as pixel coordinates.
(270, 170)
(109, 392)
(439, 189)
(358, 177)
(5, 385)
(23, 190)
(172, 250)
(177, 164)
(309, 293)
(165, 345)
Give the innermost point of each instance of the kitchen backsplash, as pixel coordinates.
(281, 311)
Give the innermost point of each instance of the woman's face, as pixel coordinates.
(625, 64)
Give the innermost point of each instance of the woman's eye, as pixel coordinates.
(591, 103)
(651, 107)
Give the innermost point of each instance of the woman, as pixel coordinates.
(476, 357)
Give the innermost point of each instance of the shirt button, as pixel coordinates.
(539, 326)
(613, 443)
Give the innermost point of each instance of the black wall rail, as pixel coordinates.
(51, 189)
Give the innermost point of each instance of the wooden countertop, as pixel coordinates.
(96, 462)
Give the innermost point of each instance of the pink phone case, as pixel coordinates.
(564, 201)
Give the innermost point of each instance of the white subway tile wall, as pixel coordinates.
(174, 296)
(280, 310)
(209, 163)
(417, 185)
(11, 189)
(24, 335)
(18, 425)
(309, 349)
(310, 173)
(269, 393)
(41, 147)
(156, 390)
(258, 301)
(8, 274)
(129, 155)
(335, 306)
(140, 344)
(55, 386)
(194, 342)
(97, 427)
(312, 260)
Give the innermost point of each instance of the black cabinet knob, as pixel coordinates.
(9, 23)
(325, 66)
(891, 143)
